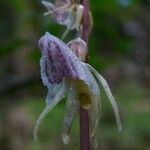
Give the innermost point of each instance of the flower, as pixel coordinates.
(65, 74)
(65, 12)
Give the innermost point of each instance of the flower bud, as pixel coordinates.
(79, 47)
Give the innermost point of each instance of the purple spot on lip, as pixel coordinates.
(57, 47)
(49, 44)
(50, 59)
(40, 45)
(53, 73)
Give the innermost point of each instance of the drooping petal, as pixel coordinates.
(95, 103)
(104, 84)
(47, 109)
(90, 80)
(50, 6)
(55, 93)
(71, 109)
(94, 115)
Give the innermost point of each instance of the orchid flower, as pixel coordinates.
(65, 12)
(65, 75)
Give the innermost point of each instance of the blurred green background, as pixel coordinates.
(119, 48)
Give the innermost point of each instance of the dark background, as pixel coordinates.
(119, 48)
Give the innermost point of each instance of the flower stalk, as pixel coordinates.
(84, 130)
(84, 117)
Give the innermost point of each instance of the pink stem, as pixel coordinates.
(84, 117)
(84, 130)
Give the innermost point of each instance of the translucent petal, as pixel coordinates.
(71, 109)
(94, 114)
(95, 102)
(65, 12)
(104, 84)
(79, 17)
(60, 12)
(48, 5)
(90, 80)
(47, 109)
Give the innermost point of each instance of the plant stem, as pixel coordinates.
(84, 117)
(86, 21)
(84, 130)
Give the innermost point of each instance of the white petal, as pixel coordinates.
(95, 102)
(48, 5)
(90, 80)
(71, 109)
(79, 16)
(94, 114)
(47, 109)
(104, 84)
